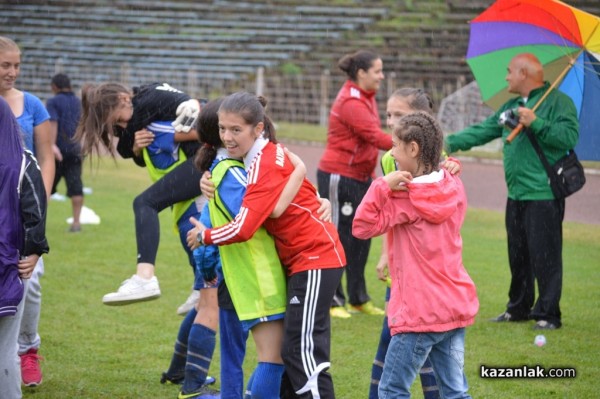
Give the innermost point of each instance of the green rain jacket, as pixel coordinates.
(556, 128)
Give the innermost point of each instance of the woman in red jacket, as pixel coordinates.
(347, 167)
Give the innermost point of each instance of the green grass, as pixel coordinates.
(95, 351)
(302, 132)
(318, 134)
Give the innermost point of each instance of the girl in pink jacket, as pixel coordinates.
(433, 298)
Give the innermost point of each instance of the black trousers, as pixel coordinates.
(345, 195)
(307, 333)
(534, 232)
(180, 184)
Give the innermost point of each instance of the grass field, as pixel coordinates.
(95, 351)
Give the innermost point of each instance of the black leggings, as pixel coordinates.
(181, 184)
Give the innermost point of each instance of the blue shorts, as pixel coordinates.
(248, 324)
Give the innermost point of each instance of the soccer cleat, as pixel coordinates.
(210, 380)
(31, 371)
(203, 393)
(189, 303)
(366, 308)
(340, 312)
(134, 289)
(178, 380)
(171, 380)
(544, 325)
(504, 317)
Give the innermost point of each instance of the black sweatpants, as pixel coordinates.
(307, 332)
(180, 184)
(534, 232)
(345, 195)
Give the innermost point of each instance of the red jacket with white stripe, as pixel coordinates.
(303, 241)
(354, 137)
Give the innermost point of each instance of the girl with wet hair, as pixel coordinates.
(402, 102)
(251, 279)
(423, 130)
(141, 119)
(351, 64)
(346, 169)
(307, 246)
(432, 298)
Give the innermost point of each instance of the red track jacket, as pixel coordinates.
(354, 137)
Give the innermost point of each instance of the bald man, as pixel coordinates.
(533, 215)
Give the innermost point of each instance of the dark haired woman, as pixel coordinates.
(347, 167)
(308, 247)
(111, 111)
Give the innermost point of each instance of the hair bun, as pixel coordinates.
(262, 100)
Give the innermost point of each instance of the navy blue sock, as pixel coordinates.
(267, 381)
(428, 381)
(201, 346)
(377, 369)
(177, 366)
(248, 391)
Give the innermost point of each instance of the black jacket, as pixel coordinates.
(32, 196)
(151, 103)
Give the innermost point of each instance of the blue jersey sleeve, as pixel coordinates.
(232, 189)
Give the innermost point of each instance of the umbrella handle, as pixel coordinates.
(514, 133)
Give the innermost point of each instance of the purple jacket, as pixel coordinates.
(11, 227)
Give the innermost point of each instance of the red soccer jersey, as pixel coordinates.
(303, 241)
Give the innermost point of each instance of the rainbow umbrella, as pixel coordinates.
(565, 39)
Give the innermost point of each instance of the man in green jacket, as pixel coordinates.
(533, 216)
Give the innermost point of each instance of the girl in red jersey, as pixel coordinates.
(309, 248)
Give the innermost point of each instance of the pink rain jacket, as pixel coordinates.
(431, 290)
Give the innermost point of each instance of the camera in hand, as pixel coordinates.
(509, 118)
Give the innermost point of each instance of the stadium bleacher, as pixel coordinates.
(218, 44)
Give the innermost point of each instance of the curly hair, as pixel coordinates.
(423, 129)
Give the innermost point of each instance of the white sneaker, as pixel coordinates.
(58, 197)
(134, 289)
(189, 303)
